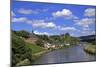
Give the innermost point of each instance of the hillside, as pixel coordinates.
(88, 38)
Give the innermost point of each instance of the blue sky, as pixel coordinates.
(53, 19)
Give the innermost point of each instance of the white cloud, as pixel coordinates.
(51, 25)
(35, 23)
(90, 12)
(30, 11)
(43, 24)
(85, 33)
(41, 33)
(21, 19)
(82, 33)
(85, 22)
(26, 11)
(66, 13)
(67, 28)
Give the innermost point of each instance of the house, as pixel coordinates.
(53, 46)
(47, 45)
(67, 44)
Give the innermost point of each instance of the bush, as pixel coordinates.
(39, 42)
(19, 50)
(22, 33)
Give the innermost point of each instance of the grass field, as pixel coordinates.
(35, 48)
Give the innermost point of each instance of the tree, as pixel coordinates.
(19, 50)
(40, 42)
(22, 33)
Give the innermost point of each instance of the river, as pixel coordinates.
(71, 54)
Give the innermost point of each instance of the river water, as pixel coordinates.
(71, 54)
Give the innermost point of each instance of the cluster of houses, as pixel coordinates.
(33, 38)
(54, 46)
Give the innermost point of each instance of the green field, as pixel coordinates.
(35, 48)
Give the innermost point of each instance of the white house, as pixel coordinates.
(67, 44)
(47, 45)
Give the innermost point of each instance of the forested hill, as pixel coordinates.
(88, 38)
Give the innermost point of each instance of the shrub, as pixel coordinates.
(19, 50)
(39, 42)
(22, 33)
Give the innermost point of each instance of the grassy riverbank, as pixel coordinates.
(35, 48)
(91, 49)
(36, 52)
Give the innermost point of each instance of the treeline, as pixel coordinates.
(21, 33)
(61, 39)
(89, 38)
(64, 38)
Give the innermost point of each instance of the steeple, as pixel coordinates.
(32, 31)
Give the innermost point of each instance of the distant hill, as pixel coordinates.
(88, 38)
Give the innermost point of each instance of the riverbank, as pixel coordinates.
(34, 58)
(39, 54)
(91, 49)
(72, 54)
